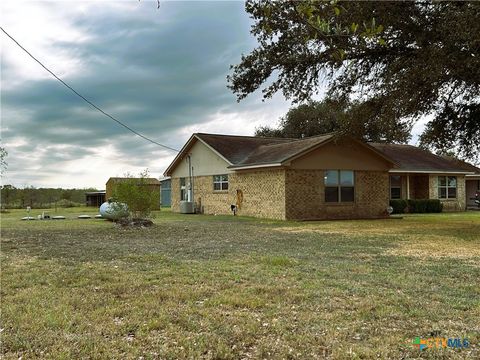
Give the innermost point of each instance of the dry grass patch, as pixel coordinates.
(200, 287)
(437, 246)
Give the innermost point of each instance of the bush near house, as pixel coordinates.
(399, 206)
(416, 206)
(135, 192)
(421, 206)
(434, 206)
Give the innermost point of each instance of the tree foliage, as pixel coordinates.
(136, 192)
(40, 198)
(3, 161)
(410, 59)
(315, 118)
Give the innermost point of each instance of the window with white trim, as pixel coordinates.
(220, 182)
(339, 186)
(395, 187)
(447, 187)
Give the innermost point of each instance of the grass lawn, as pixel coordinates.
(197, 286)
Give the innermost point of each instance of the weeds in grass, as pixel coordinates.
(238, 287)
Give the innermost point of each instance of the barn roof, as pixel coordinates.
(151, 181)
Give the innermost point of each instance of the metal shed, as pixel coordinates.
(166, 192)
(94, 198)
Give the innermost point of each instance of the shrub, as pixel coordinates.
(137, 195)
(434, 206)
(399, 206)
(421, 206)
(417, 206)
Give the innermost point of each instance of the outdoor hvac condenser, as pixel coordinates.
(186, 207)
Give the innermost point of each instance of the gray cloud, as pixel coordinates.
(157, 71)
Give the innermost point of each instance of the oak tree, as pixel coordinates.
(411, 60)
(359, 120)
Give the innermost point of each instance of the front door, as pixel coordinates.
(471, 187)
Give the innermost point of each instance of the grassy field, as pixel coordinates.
(197, 286)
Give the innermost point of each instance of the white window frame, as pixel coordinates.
(218, 179)
(446, 187)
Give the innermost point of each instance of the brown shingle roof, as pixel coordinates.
(412, 158)
(277, 153)
(245, 151)
(464, 165)
(236, 148)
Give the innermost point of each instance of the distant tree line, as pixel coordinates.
(12, 197)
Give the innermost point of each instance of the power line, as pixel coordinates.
(85, 99)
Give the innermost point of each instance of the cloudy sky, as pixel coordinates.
(161, 71)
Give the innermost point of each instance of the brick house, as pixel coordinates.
(321, 177)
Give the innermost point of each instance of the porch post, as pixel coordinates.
(408, 186)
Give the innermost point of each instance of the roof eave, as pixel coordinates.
(254, 166)
(181, 154)
(376, 151)
(417, 171)
(168, 170)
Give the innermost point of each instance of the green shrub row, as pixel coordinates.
(417, 206)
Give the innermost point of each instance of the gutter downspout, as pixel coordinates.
(190, 175)
(193, 197)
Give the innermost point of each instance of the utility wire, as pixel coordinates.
(85, 99)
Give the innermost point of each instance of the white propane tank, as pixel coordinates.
(113, 210)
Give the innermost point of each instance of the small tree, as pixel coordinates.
(137, 194)
(3, 161)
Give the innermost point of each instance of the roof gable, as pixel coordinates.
(343, 153)
(233, 149)
(280, 152)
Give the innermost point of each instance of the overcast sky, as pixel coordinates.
(161, 71)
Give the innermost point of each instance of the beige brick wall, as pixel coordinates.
(458, 204)
(288, 194)
(305, 197)
(209, 201)
(175, 194)
(263, 194)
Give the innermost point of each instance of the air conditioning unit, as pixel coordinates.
(186, 207)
